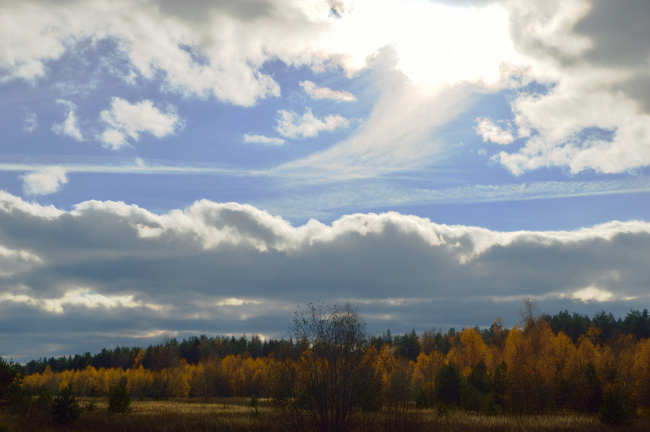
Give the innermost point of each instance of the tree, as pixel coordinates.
(119, 401)
(65, 408)
(11, 377)
(448, 384)
(332, 386)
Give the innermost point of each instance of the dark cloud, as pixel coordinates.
(619, 32)
(108, 273)
(201, 10)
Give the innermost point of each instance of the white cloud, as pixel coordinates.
(397, 135)
(236, 302)
(594, 115)
(30, 123)
(261, 139)
(291, 125)
(493, 133)
(76, 297)
(219, 49)
(27, 40)
(127, 121)
(45, 181)
(592, 294)
(326, 93)
(16, 261)
(69, 126)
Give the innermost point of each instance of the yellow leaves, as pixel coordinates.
(474, 348)
(594, 334)
(137, 360)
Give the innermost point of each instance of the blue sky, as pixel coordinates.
(171, 170)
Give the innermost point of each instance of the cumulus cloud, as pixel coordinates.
(291, 125)
(316, 92)
(261, 139)
(127, 121)
(45, 181)
(219, 49)
(589, 119)
(109, 257)
(493, 133)
(69, 126)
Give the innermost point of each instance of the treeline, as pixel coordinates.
(157, 357)
(530, 368)
(202, 348)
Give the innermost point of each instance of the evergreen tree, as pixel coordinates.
(65, 408)
(119, 401)
(448, 383)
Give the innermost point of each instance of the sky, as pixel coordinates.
(170, 169)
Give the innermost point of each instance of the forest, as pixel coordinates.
(545, 364)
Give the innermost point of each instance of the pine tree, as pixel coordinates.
(65, 408)
(119, 401)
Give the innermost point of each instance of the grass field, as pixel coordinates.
(234, 414)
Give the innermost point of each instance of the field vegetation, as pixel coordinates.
(234, 414)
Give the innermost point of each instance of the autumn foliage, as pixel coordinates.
(528, 369)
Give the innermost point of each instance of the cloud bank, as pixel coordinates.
(228, 267)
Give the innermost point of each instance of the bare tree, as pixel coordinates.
(331, 385)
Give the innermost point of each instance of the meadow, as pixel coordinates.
(235, 414)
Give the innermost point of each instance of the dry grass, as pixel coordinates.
(233, 414)
(466, 421)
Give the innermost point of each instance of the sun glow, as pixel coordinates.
(435, 44)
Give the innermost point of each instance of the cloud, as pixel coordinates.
(367, 194)
(594, 115)
(219, 49)
(69, 126)
(127, 121)
(261, 139)
(492, 133)
(398, 135)
(293, 126)
(30, 123)
(45, 181)
(316, 92)
(75, 297)
(104, 260)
